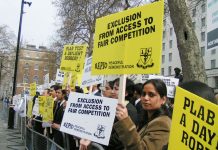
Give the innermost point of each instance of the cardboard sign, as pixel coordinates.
(194, 124)
(35, 110)
(29, 108)
(48, 109)
(90, 117)
(171, 84)
(88, 79)
(33, 89)
(73, 58)
(59, 76)
(41, 100)
(129, 42)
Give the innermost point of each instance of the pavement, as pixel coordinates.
(10, 139)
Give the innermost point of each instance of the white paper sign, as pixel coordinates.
(171, 84)
(35, 110)
(88, 79)
(59, 76)
(89, 117)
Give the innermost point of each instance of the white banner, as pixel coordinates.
(88, 79)
(35, 110)
(89, 117)
(59, 76)
(171, 84)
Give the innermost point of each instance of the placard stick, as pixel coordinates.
(122, 89)
(90, 89)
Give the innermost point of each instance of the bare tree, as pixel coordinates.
(192, 62)
(7, 38)
(78, 17)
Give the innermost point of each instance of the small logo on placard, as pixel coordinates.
(100, 132)
(145, 60)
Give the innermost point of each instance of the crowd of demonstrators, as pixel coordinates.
(142, 122)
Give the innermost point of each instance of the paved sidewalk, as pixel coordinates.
(9, 138)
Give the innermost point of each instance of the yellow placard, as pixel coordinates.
(73, 58)
(73, 80)
(48, 109)
(33, 89)
(29, 108)
(129, 42)
(42, 100)
(66, 80)
(194, 123)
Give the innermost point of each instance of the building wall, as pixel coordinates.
(199, 15)
(33, 65)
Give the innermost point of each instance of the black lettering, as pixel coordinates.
(201, 113)
(184, 137)
(195, 127)
(192, 143)
(192, 111)
(210, 117)
(199, 146)
(203, 133)
(186, 103)
(183, 120)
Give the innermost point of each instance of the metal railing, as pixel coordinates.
(36, 141)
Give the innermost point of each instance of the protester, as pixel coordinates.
(107, 89)
(178, 74)
(200, 89)
(155, 134)
(58, 116)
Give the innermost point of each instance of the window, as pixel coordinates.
(202, 51)
(202, 36)
(36, 79)
(26, 66)
(213, 51)
(203, 8)
(216, 81)
(36, 67)
(25, 79)
(162, 71)
(163, 45)
(171, 31)
(171, 43)
(46, 68)
(37, 55)
(193, 12)
(163, 59)
(203, 22)
(170, 57)
(213, 63)
(194, 25)
(164, 34)
(169, 70)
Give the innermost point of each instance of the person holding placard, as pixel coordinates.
(58, 116)
(155, 134)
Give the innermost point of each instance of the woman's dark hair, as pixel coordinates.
(78, 89)
(159, 85)
(111, 84)
(129, 88)
(200, 89)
